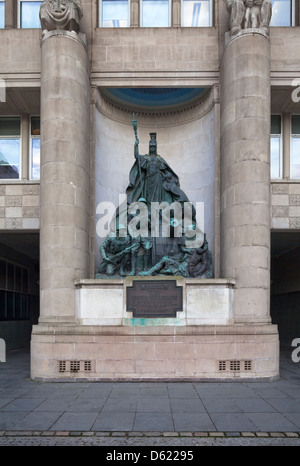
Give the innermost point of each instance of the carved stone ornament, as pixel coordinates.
(60, 14)
(249, 14)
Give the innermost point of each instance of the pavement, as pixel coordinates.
(152, 414)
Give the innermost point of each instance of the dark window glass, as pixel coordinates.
(10, 276)
(2, 275)
(10, 305)
(3, 305)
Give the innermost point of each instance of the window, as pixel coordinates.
(2, 14)
(283, 13)
(35, 146)
(276, 147)
(10, 147)
(155, 13)
(295, 147)
(17, 158)
(14, 298)
(196, 13)
(114, 13)
(29, 14)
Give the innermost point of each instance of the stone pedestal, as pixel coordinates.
(245, 173)
(201, 342)
(204, 302)
(168, 352)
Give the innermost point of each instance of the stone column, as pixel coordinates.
(134, 13)
(176, 13)
(286, 144)
(64, 216)
(245, 173)
(11, 14)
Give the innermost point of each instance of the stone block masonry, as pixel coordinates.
(20, 206)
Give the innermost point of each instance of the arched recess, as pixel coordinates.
(187, 137)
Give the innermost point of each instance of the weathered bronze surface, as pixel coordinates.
(154, 298)
(132, 250)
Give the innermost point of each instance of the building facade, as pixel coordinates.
(224, 104)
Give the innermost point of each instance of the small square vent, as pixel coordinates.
(222, 365)
(62, 366)
(235, 365)
(248, 365)
(74, 366)
(87, 365)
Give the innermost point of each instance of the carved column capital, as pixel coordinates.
(249, 14)
(61, 15)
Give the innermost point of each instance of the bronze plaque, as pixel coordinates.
(154, 298)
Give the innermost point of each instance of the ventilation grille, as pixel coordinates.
(62, 366)
(75, 366)
(235, 365)
(87, 365)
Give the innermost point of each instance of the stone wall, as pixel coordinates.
(178, 53)
(20, 206)
(20, 57)
(285, 201)
(285, 50)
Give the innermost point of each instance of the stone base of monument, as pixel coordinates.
(191, 336)
(153, 301)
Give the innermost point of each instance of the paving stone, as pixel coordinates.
(270, 421)
(153, 421)
(193, 421)
(38, 421)
(111, 421)
(14, 433)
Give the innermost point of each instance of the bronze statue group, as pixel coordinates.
(128, 253)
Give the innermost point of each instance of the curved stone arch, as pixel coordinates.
(166, 117)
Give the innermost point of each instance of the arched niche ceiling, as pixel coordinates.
(153, 98)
